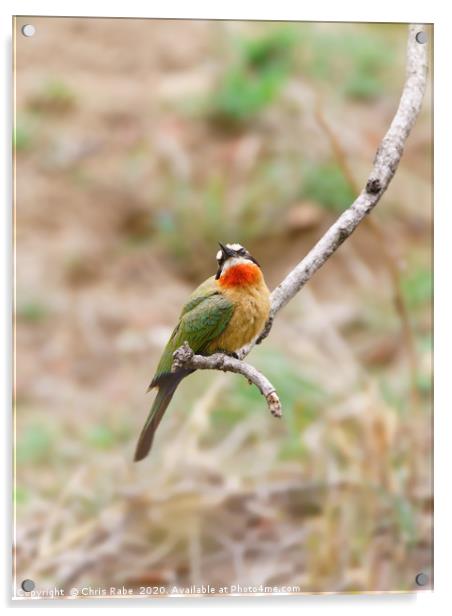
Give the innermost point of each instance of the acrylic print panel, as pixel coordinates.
(139, 145)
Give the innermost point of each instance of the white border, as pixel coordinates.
(234, 9)
(383, 10)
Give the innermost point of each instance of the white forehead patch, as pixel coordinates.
(218, 257)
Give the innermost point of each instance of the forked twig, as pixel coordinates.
(184, 357)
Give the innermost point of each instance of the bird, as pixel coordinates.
(226, 312)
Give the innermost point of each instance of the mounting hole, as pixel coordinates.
(421, 37)
(28, 30)
(421, 579)
(28, 585)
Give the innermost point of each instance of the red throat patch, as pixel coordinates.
(240, 275)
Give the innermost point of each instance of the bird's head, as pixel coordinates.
(236, 266)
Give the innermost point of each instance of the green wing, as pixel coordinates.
(205, 290)
(203, 318)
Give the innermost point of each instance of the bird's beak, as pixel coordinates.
(226, 251)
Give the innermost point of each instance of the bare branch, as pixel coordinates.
(385, 165)
(184, 357)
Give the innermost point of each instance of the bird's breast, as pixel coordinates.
(251, 311)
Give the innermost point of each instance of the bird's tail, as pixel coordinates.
(166, 388)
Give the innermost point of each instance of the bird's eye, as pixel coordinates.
(242, 252)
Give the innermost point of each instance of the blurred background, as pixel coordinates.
(139, 145)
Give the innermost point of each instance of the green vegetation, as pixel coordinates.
(54, 96)
(299, 396)
(327, 185)
(370, 59)
(404, 516)
(20, 495)
(23, 133)
(254, 79)
(33, 311)
(300, 399)
(355, 63)
(102, 436)
(35, 444)
(204, 214)
(199, 213)
(204, 210)
(417, 287)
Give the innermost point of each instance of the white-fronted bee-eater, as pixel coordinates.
(226, 312)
